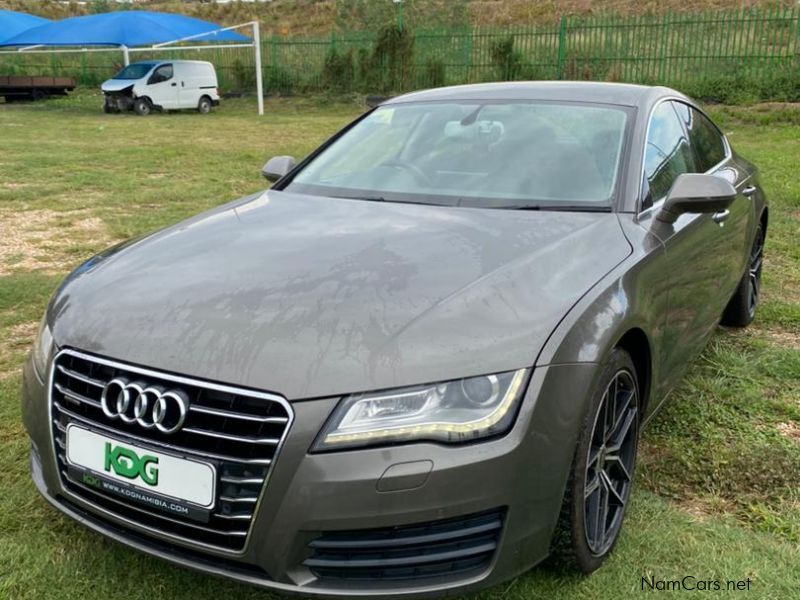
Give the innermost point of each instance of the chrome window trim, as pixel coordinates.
(144, 529)
(658, 203)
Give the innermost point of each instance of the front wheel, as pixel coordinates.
(204, 106)
(602, 470)
(142, 107)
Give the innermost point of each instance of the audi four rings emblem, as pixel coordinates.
(149, 406)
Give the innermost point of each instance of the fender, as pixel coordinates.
(631, 296)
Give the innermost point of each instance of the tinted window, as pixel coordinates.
(668, 153)
(493, 154)
(134, 71)
(162, 73)
(709, 147)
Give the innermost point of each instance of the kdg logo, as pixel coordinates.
(127, 463)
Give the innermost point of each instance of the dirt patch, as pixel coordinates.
(788, 339)
(23, 333)
(10, 185)
(703, 508)
(785, 338)
(17, 340)
(48, 240)
(790, 430)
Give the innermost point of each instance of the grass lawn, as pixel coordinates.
(718, 490)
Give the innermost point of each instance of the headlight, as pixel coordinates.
(450, 412)
(42, 349)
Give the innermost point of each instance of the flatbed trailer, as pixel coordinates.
(22, 87)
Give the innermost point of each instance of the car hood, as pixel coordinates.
(117, 85)
(308, 296)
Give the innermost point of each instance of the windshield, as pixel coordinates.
(495, 155)
(134, 71)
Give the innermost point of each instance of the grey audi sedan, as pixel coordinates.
(418, 364)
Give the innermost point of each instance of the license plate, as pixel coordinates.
(141, 475)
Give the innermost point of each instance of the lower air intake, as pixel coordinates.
(437, 548)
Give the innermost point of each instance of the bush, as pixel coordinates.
(243, 76)
(723, 88)
(338, 73)
(781, 86)
(279, 81)
(506, 60)
(392, 58)
(434, 74)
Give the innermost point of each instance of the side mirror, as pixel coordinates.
(696, 193)
(277, 167)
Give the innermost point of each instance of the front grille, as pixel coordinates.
(438, 548)
(239, 431)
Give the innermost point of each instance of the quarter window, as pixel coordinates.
(667, 155)
(709, 147)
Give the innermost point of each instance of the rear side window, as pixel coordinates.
(668, 153)
(709, 147)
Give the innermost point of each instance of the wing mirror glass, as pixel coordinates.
(696, 193)
(277, 167)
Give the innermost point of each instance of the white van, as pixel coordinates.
(162, 85)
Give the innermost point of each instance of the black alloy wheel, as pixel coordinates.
(610, 462)
(754, 272)
(601, 475)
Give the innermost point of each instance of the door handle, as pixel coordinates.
(174, 84)
(721, 216)
(749, 190)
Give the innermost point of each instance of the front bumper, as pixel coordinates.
(523, 474)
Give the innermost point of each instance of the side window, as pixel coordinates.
(706, 140)
(667, 155)
(162, 73)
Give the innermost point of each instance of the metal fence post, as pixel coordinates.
(562, 38)
(259, 70)
(468, 40)
(273, 58)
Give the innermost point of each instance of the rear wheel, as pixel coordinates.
(204, 106)
(142, 107)
(741, 309)
(601, 478)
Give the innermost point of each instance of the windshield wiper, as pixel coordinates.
(368, 198)
(561, 207)
(393, 201)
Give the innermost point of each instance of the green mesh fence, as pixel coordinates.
(718, 55)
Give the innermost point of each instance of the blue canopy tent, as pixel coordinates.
(13, 23)
(137, 30)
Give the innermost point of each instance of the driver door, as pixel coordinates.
(162, 88)
(697, 266)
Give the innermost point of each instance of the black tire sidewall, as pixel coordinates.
(737, 312)
(586, 560)
(141, 102)
(205, 101)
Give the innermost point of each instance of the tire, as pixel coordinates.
(601, 475)
(107, 108)
(204, 106)
(142, 107)
(741, 309)
(38, 94)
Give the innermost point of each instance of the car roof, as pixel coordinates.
(172, 62)
(623, 94)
